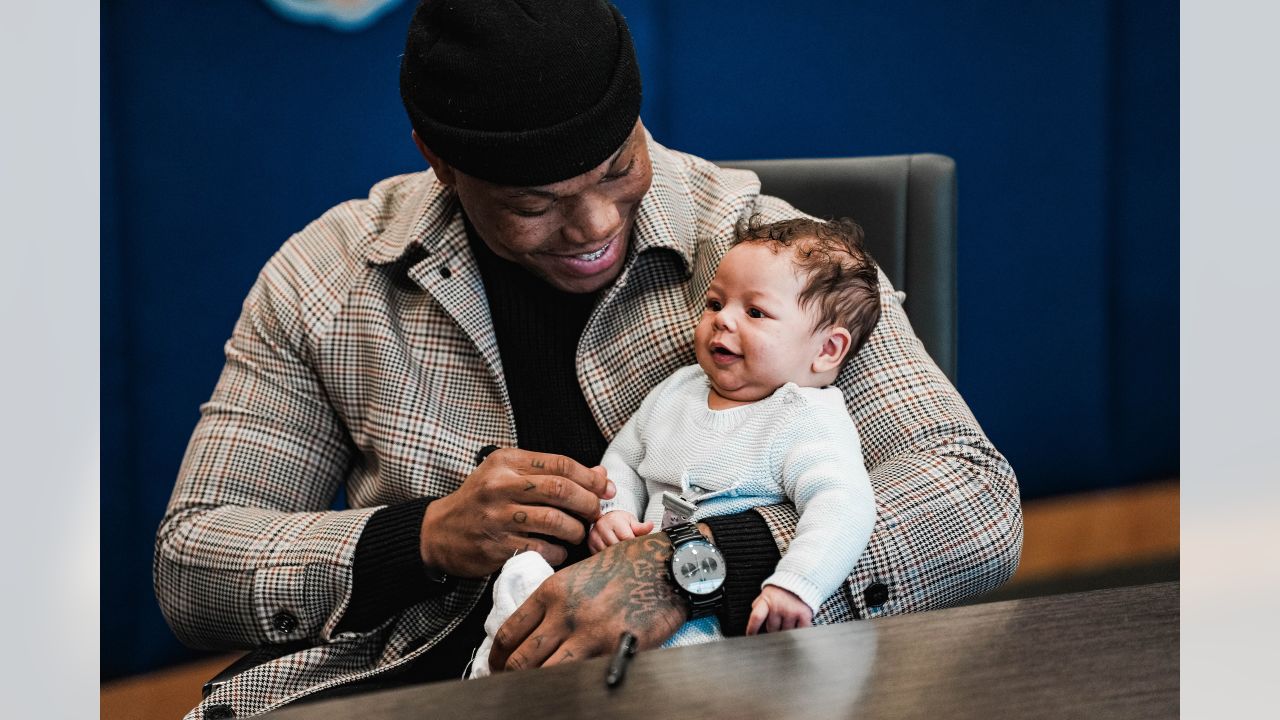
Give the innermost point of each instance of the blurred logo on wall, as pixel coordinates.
(347, 15)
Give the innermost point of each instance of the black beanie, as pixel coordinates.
(520, 92)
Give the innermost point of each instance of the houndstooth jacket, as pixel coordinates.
(365, 356)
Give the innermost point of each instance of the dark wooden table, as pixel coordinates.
(1103, 654)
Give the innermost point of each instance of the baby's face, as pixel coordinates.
(754, 337)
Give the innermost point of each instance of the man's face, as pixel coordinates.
(754, 337)
(573, 233)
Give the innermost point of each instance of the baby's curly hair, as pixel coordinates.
(840, 274)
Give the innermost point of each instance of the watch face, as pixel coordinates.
(698, 567)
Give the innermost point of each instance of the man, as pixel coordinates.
(525, 293)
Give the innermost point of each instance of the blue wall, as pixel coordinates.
(225, 129)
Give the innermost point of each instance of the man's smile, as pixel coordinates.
(589, 264)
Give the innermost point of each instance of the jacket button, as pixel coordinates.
(876, 594)
(218, 712)
(445, 272)
(484, 452)
(284, 622)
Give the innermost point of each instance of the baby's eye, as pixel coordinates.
(755, 313)
(714, 305)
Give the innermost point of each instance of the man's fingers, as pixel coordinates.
(532, 463)
(558, 492)
(611, 490)
(545, 520)
(569, 651)
(535, 650)
(552, 553)
(642, 528)
(515, 631)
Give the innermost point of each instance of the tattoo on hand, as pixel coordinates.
(520, 517)
(634, 583)
(538, 464)
(528, 486)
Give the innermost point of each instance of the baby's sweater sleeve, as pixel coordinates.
(625, 453)
(818, 458)
(621, 460)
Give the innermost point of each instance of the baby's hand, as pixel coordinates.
(777, 609)
(614, 527)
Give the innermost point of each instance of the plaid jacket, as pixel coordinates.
(364, 355)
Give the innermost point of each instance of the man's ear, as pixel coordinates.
(834, 347)
(444, 171)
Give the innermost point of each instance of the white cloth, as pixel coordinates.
(520, 576)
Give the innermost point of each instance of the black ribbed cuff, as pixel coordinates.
(751, 556)
(387, 572)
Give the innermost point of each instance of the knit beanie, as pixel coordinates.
(520, 92)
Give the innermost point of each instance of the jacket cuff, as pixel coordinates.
(751, 554)
(387, 574)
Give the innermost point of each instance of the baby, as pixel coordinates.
(756, 422)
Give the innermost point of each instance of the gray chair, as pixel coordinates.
(907, 206)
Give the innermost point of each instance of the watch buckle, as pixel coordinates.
(677, 509)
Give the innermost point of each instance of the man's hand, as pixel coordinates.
(580, 611)
(511, 497)
(775, 609)
(614, 527)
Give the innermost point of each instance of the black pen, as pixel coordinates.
(621, 657)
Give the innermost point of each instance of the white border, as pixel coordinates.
(1230, 341)
(49, 149)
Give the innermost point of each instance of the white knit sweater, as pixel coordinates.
(799, 444)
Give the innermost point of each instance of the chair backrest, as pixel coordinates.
(907, 206)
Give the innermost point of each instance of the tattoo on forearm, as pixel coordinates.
(520, 516)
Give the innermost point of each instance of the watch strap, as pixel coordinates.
(683, 533)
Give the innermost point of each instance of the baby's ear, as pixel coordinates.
(835, 345)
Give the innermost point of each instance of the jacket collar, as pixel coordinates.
(420, 224)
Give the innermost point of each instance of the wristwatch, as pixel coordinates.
(697, 568)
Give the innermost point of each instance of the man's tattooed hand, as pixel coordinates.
(514, 500)
(580, 611)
